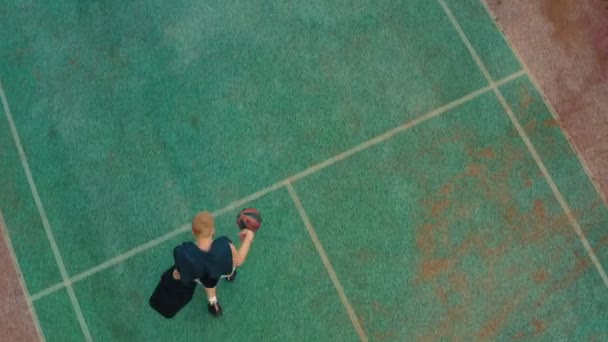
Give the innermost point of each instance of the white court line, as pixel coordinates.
(315, 168)
(546, 102)
(397, 130)
(43, 217)
(152, 243)
(529, 145)
(28, 299)
(330, 270)
(48, 291)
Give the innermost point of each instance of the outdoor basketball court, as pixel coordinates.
(413, 183)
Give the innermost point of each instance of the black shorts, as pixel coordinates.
(170, 294)
(207, 282)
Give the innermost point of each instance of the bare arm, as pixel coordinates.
(239, 256)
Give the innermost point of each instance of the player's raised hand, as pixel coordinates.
(246, 234)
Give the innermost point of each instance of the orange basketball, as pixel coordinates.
(249, 218)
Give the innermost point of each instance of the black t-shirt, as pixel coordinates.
(194, 264)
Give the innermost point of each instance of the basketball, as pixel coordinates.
(249, 218)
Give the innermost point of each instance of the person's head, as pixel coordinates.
(203, 225)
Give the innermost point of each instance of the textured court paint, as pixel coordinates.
(19, 321)
(449, 231)
(486, 39)
(282, 293)
(58, 319)
(332, 274)
(531, 149)
(304, 173)
(144, 112)
(560, 160)
(136, 115)
(23, 223)
(564, 44)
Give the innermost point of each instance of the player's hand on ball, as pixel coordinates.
(246, 234)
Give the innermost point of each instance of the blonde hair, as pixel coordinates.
(203, 224)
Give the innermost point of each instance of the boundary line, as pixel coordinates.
(330, 270)
(28, 299)
(291, 179)
(528, 144)
(546, 101)
(43, 217)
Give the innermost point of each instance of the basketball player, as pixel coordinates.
(204, 261)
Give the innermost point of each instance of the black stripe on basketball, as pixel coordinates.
(253, 213)
(249, 218)
(254, 217)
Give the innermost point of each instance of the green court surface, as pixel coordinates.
(413, 182)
